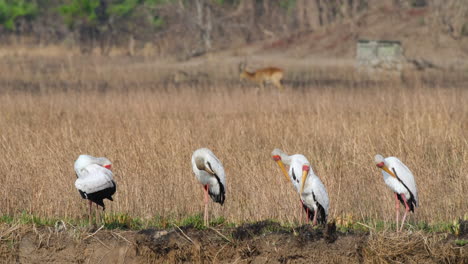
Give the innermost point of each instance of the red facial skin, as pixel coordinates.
(305, 168)
(380, 165)
(276, 158)
(108, 166)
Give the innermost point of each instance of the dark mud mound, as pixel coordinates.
(463, 226)
(308, 233)
(248, 231)
(304, 233)
(264, 241)
(269, 242)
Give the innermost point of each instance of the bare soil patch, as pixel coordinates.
(261, 242)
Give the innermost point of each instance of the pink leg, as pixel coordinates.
(307, 215)
(406, 211)
(98, 218)
(302, 212)
(205, 216)
(315, 218)
(397, 208)
(89, 215)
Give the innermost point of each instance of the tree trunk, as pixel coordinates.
(300, 14)
(266, 7)
(313, 14)
(204, 23)
(208, 28)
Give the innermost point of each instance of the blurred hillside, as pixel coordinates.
(186, 29)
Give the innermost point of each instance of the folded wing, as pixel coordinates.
(405, 175)
(95, 178)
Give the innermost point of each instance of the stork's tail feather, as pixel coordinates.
(218, 198)
(322, 216)
(98, 197)
(83, 194)
(411, 202)
(100, 203)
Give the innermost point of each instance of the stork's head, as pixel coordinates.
(379, 161)
(305, 173)
(105, 163)
(203, 164)
(278, 156)
(85, 160)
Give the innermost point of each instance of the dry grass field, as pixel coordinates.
(54, 108)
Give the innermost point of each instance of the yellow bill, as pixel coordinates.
(305, 172)
(208, 169)
(281, 165)
(387, 170)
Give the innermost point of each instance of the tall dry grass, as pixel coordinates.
(150, 130)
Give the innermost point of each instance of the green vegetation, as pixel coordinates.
(124, 221)
(118, 221)
(418, 3)
(13, 10)
(124, 8)
(379, 225)
(461, 242)
(224, 2)
(464, 30)
(196, 221)
(79, 11)
(25, 218)
(287, 4)
(121, 221)
(98, 19)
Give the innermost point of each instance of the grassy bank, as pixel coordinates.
(149, 130)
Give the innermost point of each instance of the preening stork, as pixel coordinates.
(401, 181)
(210, 173)
(313, 194)
(95, 180)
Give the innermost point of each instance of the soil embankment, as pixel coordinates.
(262, 242)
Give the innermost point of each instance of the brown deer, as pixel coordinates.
(261, 76)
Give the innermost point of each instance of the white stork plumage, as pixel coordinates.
(95, 180)
(210, 173)
(401, 181)
(313, 194)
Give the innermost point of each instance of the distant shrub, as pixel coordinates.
(12, 10)
(287, 4)
(418, 3)
(464, 30)
(82, 11)
(123, 8)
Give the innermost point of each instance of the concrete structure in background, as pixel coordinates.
(379, 54)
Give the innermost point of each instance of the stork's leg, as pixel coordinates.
(307, 215)
(98, 219)
(397, 208)
(301, 212)
(89, 215)
(406, 211)
(205, 215)
(314, 222)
